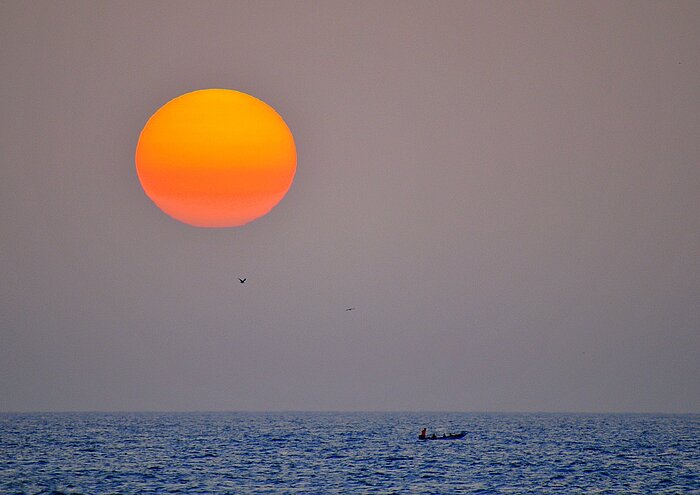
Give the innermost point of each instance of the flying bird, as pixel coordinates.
(349, 309)
(242, 280)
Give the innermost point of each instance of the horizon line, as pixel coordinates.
(338, 411)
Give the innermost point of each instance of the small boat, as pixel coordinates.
(445, 436)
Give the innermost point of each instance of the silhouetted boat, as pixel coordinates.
(451, 436)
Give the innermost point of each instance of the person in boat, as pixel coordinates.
(423, 433)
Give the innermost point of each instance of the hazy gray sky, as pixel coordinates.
(508, 193)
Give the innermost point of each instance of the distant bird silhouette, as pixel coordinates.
(349, 309)
(242, 280)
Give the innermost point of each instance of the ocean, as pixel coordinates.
(334, 453)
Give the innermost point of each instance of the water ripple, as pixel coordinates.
(232, 453)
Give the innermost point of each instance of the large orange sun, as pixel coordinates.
(216, 158)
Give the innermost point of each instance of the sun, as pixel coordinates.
(216, 158)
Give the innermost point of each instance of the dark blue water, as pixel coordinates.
(348, 453)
